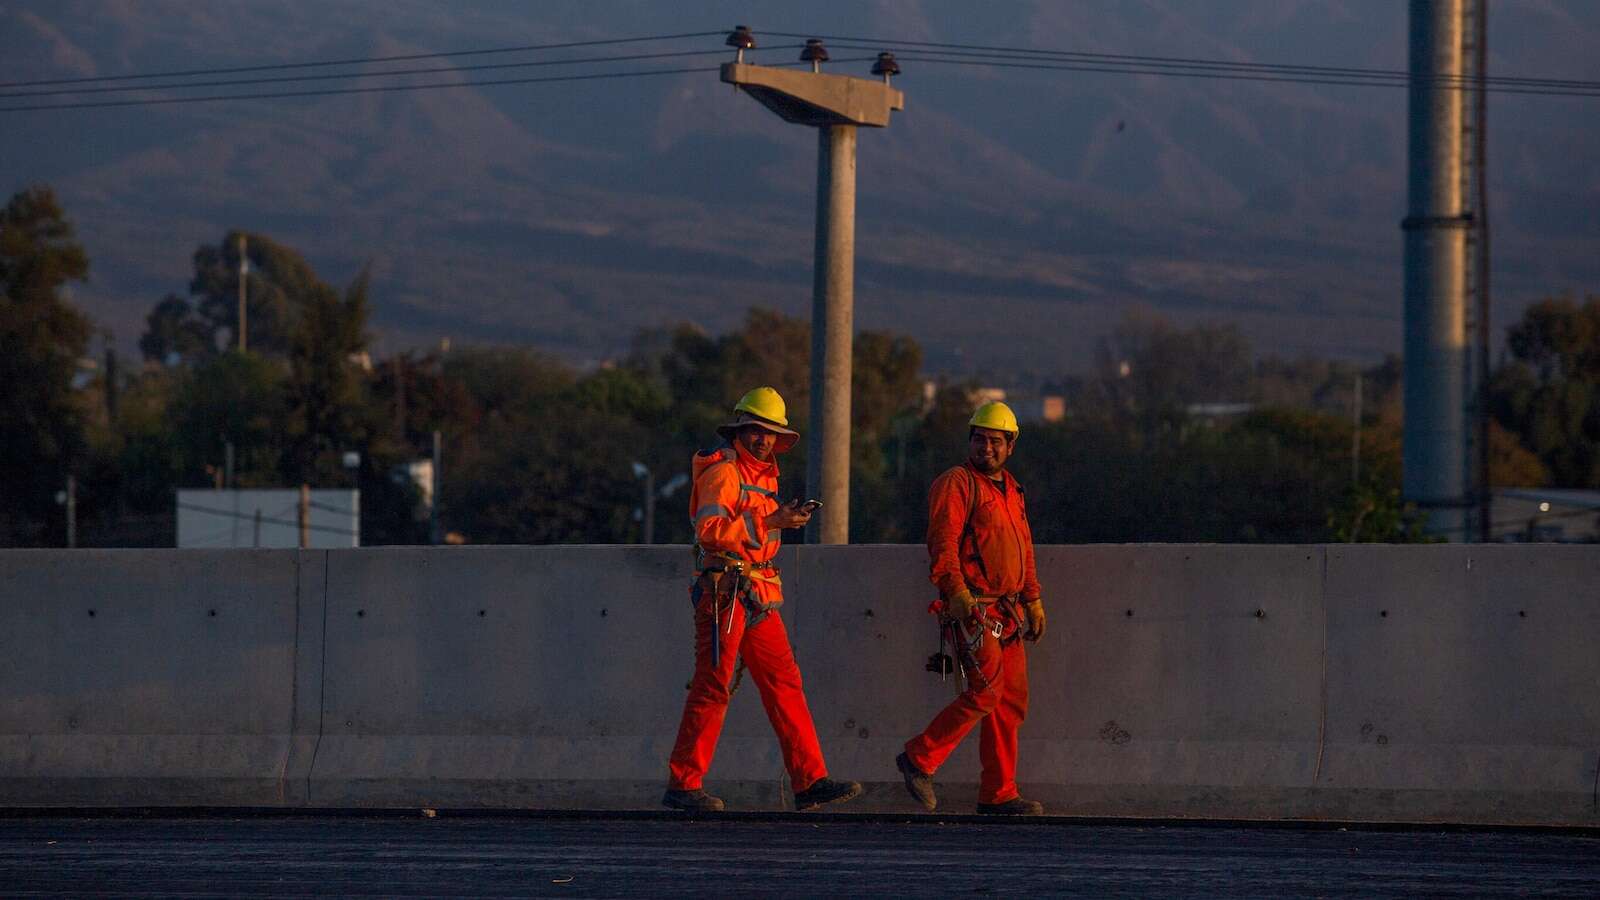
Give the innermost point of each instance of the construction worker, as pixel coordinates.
(736, 593)
(981, 553)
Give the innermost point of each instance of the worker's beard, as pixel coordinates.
(988, 466)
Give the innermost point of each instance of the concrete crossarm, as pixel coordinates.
(811, 98)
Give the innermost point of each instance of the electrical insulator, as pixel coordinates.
(886, 66)
(814, 53)
(740, 39)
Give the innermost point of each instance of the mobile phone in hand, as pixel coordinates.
(809, 506)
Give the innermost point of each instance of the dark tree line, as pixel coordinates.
(536, 451)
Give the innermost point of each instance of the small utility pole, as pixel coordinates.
(835, 105)
(438, 471)
(227, 483)
(649, 507)
(72, 511)
(305, 516)
(1355, 434)
(244, 272)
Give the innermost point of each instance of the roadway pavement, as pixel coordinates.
(756, 855)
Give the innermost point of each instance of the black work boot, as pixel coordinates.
(1016, 806)
(691, 801)
(826, 790)
(918, 783)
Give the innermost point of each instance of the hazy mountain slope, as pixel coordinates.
(1006, 217)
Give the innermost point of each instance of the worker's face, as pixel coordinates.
(989, 449)
(756, 441)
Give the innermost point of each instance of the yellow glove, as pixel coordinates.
(1034, 610)
(959, 605)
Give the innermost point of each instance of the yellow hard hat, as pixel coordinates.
(765, 403)
(764, 407)
(996, 415)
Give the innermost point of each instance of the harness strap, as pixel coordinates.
(967, 532)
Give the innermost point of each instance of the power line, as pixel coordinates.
(1225, 76)
(1187, 62)
(395, 88)
(407, 57)
(436, 70)
(269, 520)
(161, 101)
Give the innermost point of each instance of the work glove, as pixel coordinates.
(959, 606)
(1034, 610)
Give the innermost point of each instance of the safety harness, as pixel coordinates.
(730, 579)
(964, 643)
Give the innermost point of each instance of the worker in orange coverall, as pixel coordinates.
(736, 593)
(981, 553)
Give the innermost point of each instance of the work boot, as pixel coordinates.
(691, 801)
(1016, 806)
(918, 783)
(826, 790)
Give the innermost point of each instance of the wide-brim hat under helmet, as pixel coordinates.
(787, 437)
(764, 408)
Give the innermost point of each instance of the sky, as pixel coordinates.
(1007, 218)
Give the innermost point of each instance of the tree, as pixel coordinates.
(234, 397)
(42, 337)
(326, 388)
(174, 334)
(279, 286)
(1148, 371)
(1548, 394)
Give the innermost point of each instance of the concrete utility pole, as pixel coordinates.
(1435, 256)
(835, 105)
(1475, 187)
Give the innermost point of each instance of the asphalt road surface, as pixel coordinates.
(795, 855)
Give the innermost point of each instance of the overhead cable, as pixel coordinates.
(434, 70)
(375, 89)
(1469, 85)
(1187, 62)
(360, 61)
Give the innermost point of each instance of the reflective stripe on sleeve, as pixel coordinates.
(712, 509)
(750, 531)
(758, 490)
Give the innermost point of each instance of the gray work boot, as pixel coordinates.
(918, 783)
(1016, 806)
(826, 790)
(691, 801)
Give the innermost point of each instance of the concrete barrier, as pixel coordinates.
(159, 678)
(1354, 682)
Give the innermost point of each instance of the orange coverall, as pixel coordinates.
(991, 556)
(732, 496)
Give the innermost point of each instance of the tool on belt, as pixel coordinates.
(729, 580)
(964, 646)
(964, 642)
